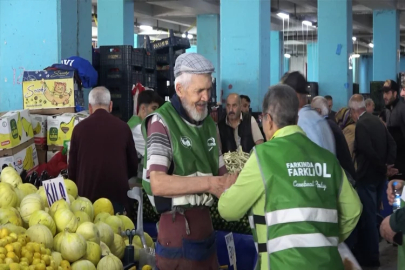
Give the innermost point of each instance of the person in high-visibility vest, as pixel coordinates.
(148, 101)
(300, 201)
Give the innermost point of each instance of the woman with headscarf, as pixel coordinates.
(347, 125)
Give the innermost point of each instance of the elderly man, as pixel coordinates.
(320, 104)
(374, 149)
(300, 200)
(237, 128)
(102, 156)
(184, 167)
(370, 106)
(316, 127)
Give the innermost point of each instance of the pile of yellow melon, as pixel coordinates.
(80, 235)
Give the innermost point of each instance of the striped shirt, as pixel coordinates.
(159, 150)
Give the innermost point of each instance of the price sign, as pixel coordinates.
(230, 245)
(55, 190)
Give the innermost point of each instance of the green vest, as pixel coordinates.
(195, 153)
(133, 123)
(302, 184)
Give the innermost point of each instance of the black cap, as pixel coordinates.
(390, 85)
(296, 81)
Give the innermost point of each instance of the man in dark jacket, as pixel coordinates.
(395, 120)
(374, 151)
(320, 104)
(102, 156)
(237, 128)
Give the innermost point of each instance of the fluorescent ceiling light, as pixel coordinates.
(190, 36)
(371, 45)
(308, 23)
(354, 38)
(287, 55)
(183, 35)
(356, 55)
(283, 15)
(145, 27)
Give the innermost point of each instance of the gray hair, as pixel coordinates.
(368, 102)
(281, 103)
(184, 79)
(320, 103)
(356, 102)
(99, 96)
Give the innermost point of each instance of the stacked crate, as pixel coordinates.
(167, 50)
(120, 68)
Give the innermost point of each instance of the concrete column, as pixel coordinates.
(37, 34)
(335, 47)
(276, 56)
(139, 41)
(115, 22)
(208, 43)
(386, 44)
(286, 65)
(245, 49)
(312, 62)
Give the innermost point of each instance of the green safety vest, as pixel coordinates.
(133, 123)
(302, 183)
(195, 153)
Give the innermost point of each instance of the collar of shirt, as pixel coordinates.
(240, 119)
(288, 130)
(361, 114)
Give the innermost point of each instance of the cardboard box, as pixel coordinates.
(60, 128)
(15, 128)
(46, 89)
(39, 124)
(50, 154)
(22, 159)
(42, 152)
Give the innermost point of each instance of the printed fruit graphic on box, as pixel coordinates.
(49, 89)
(60, 127)
(39, 124)
(15, 128)
(26, 159)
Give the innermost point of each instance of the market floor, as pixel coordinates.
(388, 257)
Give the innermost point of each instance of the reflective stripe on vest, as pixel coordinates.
(301, 241)
(301, 214)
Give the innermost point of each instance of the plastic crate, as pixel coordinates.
(115, 72)
(137, 77)
(163, 59)
(177, 43)
(164, 74)
(149, 60)
(150, 80)
(122, 108)
(138, 57)
(116, 55)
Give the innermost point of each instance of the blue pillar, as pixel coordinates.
(139, 41)
(36, 42)
(312, 62)
(364, 80)
(208, 43)
(245, 49)
(115, 22)
(335, 47)
(276, 56)
(386, 44)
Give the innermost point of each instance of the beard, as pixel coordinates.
(192, 110)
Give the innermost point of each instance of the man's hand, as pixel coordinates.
(219, 184)
(391, 171)
(386, 232)
(390, 189)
